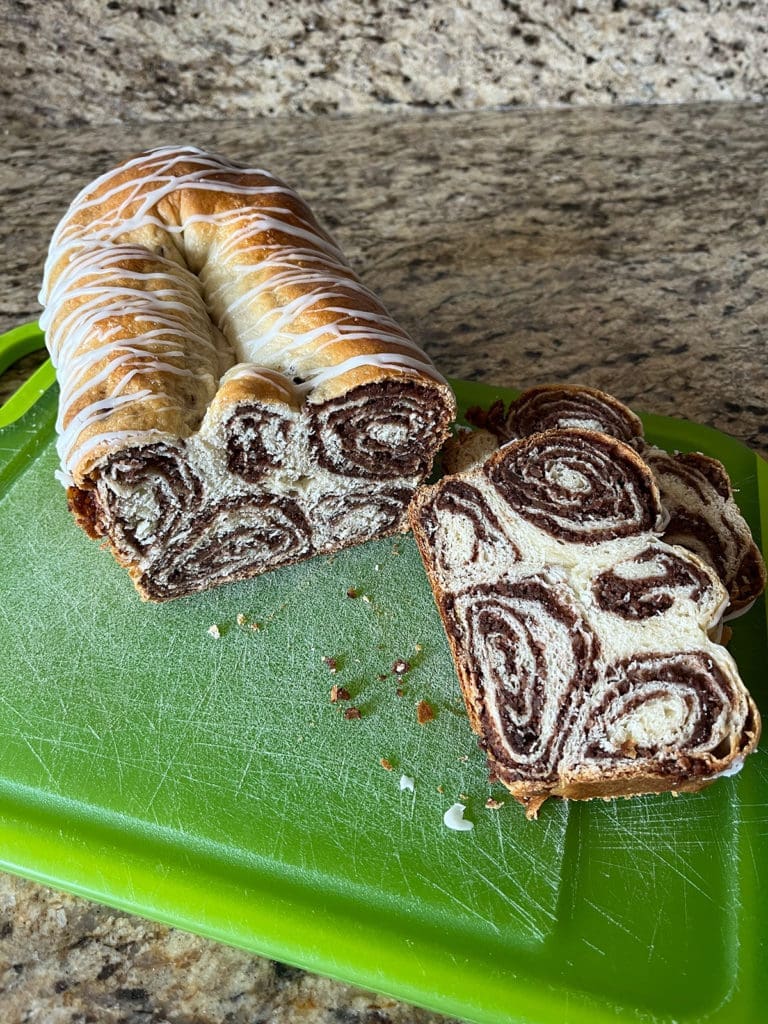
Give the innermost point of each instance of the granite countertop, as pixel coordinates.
(89, 62)
(623, 248)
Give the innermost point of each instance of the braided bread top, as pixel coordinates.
(179, 283)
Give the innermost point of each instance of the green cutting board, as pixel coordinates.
(212, 784)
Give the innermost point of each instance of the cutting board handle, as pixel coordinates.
(14, 345)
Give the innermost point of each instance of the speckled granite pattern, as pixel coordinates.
(65, 961)
(87, 62)
(624, 248)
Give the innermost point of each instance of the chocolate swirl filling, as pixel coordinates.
(256, 441)
(532, 660)
(464, 505)
(379, 431)
(234, 539)
(559, 407)
(649, 584)
(677, 709)
(146, 494)
(704, 518)
(579, 486)
(692, 531)
(351, 517)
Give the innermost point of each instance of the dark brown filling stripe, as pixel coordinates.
(697, 474)
(692, 531)
(464, 501)
(557, 409)
(256, 441)
(381, 431)
(170, 491)
(691, 677)
(645, 596)
(351, 514)
(705, 519)
(231, 537)
(528, 650)
(578, 486)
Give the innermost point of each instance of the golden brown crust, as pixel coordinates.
(233, 398)
(194, 224)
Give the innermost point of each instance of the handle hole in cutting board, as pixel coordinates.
(24, 342)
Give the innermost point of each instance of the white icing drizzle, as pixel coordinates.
(104, 311)
(455, 820)
(257, 270)
(386, 361)
(249, 371)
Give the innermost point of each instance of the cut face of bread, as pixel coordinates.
(695, 490)
(557, 407)
(233, 398)
(580, 637)
(704, 517)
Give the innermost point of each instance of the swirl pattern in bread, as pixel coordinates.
(233, 398)
(584, 656)
(702, 514)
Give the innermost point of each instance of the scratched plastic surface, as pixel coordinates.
(212, 784)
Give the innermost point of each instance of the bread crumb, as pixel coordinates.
(243, 621)
(400, 667)
(424, 712)
(493, 805)
(386, 764)
(418, 647)
(366, 599)
(214, 631)
(352, 713)
(440, 789)
(533, 805)
(629, 748)
(339, 693)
